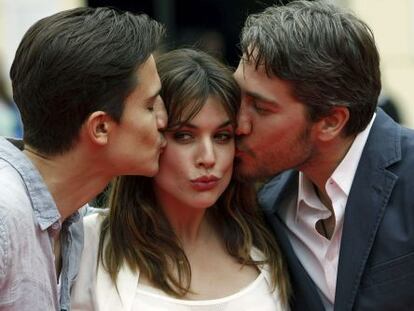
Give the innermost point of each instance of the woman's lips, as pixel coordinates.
(205, 183)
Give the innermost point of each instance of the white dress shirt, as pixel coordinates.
(319, 255)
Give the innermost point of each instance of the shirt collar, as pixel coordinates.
(343, 175)
(43, 204)
(75, 217)
(306, 192)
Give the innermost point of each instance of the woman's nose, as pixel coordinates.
(206, 156)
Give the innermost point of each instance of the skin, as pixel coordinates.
(106, 149)
(203, 146)
(75, 177)
(274, 133)
(136, 142)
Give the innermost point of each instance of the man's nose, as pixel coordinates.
(244, 125)
(161, 114)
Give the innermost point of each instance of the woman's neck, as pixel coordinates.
(189, 223)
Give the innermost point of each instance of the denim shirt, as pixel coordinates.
(29, 219)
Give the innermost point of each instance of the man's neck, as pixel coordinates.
(72, 179)
(321, 168)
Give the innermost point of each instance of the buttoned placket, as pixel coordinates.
(66, 245)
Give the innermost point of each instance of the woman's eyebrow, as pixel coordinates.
(193, 126)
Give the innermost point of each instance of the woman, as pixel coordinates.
(191, 238)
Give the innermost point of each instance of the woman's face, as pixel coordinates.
(196, 165)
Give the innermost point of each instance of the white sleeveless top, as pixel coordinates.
(256, 296)
(95, 291)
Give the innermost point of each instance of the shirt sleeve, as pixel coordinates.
(4, 249)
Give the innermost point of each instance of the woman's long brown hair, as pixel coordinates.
(137, 232)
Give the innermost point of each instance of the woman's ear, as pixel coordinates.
(98, 126)
(331, 126)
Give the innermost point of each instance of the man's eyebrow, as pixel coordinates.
(153, 97)
(260, 97)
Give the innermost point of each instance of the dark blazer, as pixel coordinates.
(376, 259)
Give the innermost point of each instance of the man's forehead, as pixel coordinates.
(247, 60)
(252, 55)
(250, 65)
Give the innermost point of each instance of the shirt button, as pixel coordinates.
(55, 226)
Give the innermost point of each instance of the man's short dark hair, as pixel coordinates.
(73, 63)
(327, 54)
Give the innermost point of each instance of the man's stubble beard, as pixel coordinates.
(302, 147)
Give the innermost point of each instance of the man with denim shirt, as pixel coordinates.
(87, 88)
(16, 171)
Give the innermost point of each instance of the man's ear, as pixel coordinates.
(98, 126)
(331, 126)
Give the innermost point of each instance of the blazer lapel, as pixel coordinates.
(365, 208)
(274, 197)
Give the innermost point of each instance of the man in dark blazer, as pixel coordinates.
(340, 201)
